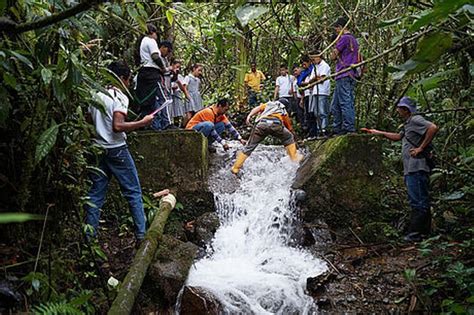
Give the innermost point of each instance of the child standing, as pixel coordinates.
(178, 93)
(192, 83)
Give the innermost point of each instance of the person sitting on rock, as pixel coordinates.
(273, 120)
(212, 121)
(416, 137)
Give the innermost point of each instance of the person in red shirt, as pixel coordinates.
(212, 121)
(274, 121)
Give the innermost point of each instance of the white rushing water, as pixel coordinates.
(249, 266)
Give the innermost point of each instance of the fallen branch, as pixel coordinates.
(123, 303)
(357, 65)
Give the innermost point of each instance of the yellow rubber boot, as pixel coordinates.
(241, 157)
(294, 155)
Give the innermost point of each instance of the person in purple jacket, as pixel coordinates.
(346, 53)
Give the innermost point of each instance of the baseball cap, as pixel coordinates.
(407, 103)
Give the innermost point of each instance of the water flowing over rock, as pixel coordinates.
(250, 267)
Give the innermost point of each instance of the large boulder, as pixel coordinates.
(343, 181)
(177, 160)
(169, 270)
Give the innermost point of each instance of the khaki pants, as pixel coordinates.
(266, 128)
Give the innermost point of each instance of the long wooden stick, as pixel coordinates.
(356, 65)
(123, 303)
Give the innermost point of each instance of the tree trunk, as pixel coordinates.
(125, 299)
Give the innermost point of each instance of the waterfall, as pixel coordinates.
(250, 266)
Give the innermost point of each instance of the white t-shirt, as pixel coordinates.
(309, 91)
(325, 87)
(103, 122)
(148, 46)
(284, 84)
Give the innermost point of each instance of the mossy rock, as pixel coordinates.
(177, 160)
(343, 179)
(171, 159)
(169, 270)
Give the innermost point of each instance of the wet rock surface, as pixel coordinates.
(204, 228)
(196, 300)
(169, 270)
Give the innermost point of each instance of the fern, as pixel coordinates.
(59, 308)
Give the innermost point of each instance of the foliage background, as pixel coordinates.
(49, 77)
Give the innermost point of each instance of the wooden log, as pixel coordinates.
(130, 287)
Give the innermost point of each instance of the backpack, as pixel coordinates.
(361, 70)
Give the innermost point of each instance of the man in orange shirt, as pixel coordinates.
(274, 121)
(212, 121)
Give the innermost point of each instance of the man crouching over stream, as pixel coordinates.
(416, 137)
(273, 120)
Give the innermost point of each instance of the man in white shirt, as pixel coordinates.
(319, 105)
(283, 87)
(153, 81)
(116, 160)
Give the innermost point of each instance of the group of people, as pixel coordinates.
(163, 93)
(308, 88)
(161, 89)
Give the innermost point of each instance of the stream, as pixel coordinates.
(251, 265)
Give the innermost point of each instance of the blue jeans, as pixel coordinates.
(343, 105)
(253, 98)
(162, 118)
(116, 162)
(206, 128)
(417, 184)
(319, 108)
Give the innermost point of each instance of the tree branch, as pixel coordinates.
(15, 28)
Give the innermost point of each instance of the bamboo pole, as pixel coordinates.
(130, 287)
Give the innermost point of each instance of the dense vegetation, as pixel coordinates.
(51, 71)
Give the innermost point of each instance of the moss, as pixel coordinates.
(342, 178)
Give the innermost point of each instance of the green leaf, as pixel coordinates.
(453, 196)
(9, 80)
(429, 49)
(82, 299)
(431, 82)
(390, 22)
(440, 11)
(21, 58)
(17, 217)
(137, 17)
(248, 13)
(169, 16)
(46, 142)
(46, 75)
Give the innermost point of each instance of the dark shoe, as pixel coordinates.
(413, 237)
